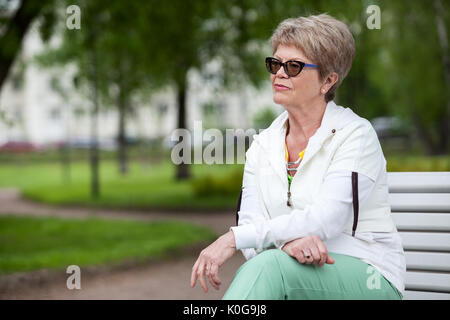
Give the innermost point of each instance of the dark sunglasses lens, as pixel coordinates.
(293, 68)
(272, 65)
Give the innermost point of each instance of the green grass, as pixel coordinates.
(28, 243)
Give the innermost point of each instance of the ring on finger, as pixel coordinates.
(307, 255)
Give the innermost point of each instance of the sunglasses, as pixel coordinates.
(291, 67)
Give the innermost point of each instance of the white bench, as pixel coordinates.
(420, 205)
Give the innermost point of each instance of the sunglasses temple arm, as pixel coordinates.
(311, 65)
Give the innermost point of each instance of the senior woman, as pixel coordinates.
(314, 220)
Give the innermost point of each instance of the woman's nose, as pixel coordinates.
(281, 73)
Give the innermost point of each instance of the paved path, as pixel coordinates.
(158, 280)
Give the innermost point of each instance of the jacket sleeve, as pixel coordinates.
(251, 207)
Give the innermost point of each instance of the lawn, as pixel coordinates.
(28, 243)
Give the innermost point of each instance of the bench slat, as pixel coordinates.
(426, 241)
(427, 281)
(432, 261)
(419, 202)
(421, 221)
(423, 295)
(419, 182)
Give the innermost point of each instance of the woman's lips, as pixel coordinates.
(280, 87)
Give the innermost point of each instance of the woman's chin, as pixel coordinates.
(279, 99)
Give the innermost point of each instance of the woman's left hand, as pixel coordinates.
(211, 258)
(312, 247)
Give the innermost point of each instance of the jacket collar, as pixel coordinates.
(272, 139)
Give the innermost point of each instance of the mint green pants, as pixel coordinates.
(274, 275)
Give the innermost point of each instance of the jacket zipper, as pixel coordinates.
(289, 204)
(289, 201)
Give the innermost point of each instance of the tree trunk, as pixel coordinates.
(122, 144)
(11, 41)
(444, 133)
(424, 134)
(183, 171)
(444, 128)
(65, 162)
(94, 156)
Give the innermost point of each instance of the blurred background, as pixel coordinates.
(91, 91)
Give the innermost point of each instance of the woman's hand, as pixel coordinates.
(311, 247)
(211, 258)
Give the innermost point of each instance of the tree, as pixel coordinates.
(177, 32)
(192, 33)
(113, 60)
(84, 48)
(413, 68)
(14, 27)
(129, 65)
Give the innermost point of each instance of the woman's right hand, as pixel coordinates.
(311, 246)
(211, 258)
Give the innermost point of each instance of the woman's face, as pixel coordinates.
(301, 89)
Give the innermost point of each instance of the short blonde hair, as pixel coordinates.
(324, 40)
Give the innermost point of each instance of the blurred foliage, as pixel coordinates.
(15, 19)
(263, 118)
(210, 185)
(418, 163)
(407, 67)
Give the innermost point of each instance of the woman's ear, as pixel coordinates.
(330, 80)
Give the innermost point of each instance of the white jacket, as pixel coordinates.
(344, 141)
(321, 194)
